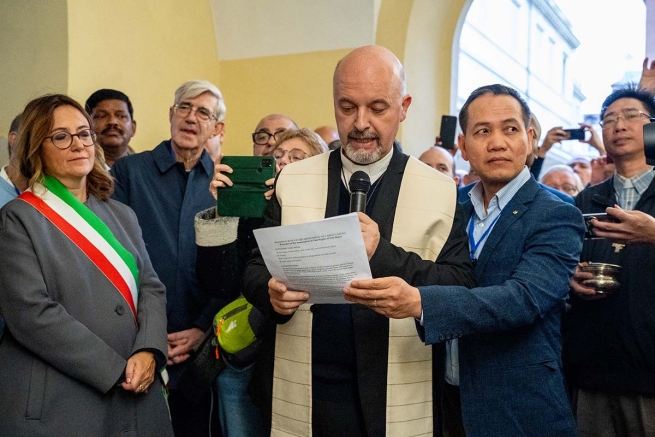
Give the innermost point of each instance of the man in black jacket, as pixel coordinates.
(609, 340)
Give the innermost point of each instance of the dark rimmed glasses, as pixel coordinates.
(262, 137)
(63, 140)
(183, 110)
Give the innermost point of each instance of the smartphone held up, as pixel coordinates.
(447, 131)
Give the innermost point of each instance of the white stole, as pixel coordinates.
(422, 222)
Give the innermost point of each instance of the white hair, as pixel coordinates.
(558, 168)
(193, 88)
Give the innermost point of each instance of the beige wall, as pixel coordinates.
(299, 86)
(34, 53)
(150, 47)
(145, 49)
(428, 58)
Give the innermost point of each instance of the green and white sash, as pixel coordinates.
(90, 234)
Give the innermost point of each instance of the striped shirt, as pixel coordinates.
(629, 190)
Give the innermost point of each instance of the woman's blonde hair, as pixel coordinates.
(36, 123)
(312, 139)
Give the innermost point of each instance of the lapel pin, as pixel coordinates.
(515, 212)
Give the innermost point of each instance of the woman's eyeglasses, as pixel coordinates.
(63, 140)
(294, 154)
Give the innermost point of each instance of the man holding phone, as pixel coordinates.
(558, 134)
(609, 347)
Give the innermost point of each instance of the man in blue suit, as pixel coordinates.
(503, 369)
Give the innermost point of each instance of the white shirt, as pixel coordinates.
(374, 170)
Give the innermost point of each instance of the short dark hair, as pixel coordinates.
(108, 94)
(630, 91)
(13, 127)
(496, 90)
(15, 124)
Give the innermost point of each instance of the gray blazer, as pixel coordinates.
(69, 332)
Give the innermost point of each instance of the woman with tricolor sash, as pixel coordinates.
(85, 340)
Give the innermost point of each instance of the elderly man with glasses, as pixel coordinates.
(609, 340)
(166, 187)
(264, 137)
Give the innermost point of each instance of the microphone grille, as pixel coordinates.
(359, 181)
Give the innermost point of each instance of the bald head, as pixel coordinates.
(369, 102)
(374, 58)
(263, 139)
(328, 133)
(441, 160)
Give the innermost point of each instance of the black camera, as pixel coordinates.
(649, 142)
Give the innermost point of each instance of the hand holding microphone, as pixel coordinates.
(359, 186)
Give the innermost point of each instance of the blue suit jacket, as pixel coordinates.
(510, 371)
(462, 193)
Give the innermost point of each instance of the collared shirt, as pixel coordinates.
(630, 190)
(374, 170)
(8, 190)
(483, 221)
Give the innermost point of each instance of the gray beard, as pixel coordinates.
(361, 156)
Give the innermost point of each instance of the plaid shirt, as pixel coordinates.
(629, 190)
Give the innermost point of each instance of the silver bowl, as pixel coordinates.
(605, 279)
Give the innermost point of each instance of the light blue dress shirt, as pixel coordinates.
(483, 221)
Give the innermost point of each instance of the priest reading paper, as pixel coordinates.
(343, 369)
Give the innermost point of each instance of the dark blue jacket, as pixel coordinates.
(166, 198)
(510, 368)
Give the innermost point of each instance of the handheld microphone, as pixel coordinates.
(359, 185)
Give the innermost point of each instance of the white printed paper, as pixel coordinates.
(319, 257)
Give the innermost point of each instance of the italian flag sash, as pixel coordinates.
(90, 234)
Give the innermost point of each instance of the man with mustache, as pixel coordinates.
(344, 369)
(113, 122)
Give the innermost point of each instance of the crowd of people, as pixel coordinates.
(479, 320)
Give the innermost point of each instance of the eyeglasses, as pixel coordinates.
(262, 137)
(183, 110)
(63, 140)
(294, 154)
(629, 115)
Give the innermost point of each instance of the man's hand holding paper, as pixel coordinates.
(285, 301)
(392, 297)
(313, 262)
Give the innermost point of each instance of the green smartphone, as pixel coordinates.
(245, 198)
